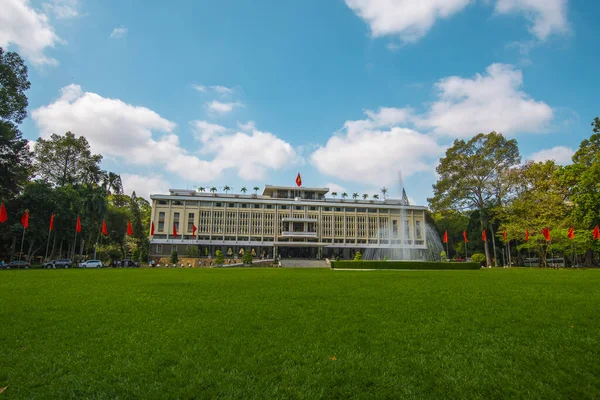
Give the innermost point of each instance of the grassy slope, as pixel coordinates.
(262, 333)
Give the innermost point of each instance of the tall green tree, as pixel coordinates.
(67, 159)
(13, 84)
(473, 175)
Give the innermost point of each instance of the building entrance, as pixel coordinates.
(298, 252)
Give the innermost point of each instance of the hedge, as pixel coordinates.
(402, 265)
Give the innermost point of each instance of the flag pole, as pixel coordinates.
(22, 240)
(48, 244)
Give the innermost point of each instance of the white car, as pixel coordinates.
(91, 264)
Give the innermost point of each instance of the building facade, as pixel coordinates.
(286, 222)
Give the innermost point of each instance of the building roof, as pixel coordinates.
(268, 190)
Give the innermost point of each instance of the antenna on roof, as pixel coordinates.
(405, 197)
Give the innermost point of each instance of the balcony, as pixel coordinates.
(299, 234)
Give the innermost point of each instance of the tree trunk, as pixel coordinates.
(53, 247)
(60, 249)
(494, 245)
(13, 247)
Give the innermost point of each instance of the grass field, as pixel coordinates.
(284, 333)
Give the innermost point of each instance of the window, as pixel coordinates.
(256, 205)
(326, 208)
(298, 208)
(395, 227)
(313, 208)
(338, 209)
(361, 210)
(162, 202)
(161, 221)
(350, 209)
(268, 206)
(244, 205)
(177, 203)
(231, 205)
(191, 203)
(176, 221)
(418, 232)
(159, 248)
(190, 222)
(218, 204)
(282, 207)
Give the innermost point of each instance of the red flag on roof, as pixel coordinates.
(571, 233)
(152, 229)
(78, 226)
(3, 216)
(596, 233)
(194, 229)
(174, 230)
(52, 222)
(527, 235)
(298, 180)
(484, 235)
(129, 230)
(445, 238)
(104, 228)
(25, 219)
(465, 236)
(504, 235)
(546, 233)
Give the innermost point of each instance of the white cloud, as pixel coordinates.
(144, 185)
(27, 29)
(408, 19)
(334, 187)
(374, 150)
(547, 16)
(222, 108)
(118, 33)
(62, 9)
(248, 126)
(199, 88)
(560, 154)
(493, 101)
(222, 90)
(139, 136)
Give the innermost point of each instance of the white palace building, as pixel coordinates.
(289, 222)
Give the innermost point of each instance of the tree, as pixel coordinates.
(334, 194)
(384, 192)
(135, 255)
(376, 196)
(213, 190)
(473, 175)
(365, 196)
(201, 189)
(174, 257)
(344, 195)
(256, 189)
(244, 190)
(355, 196)
(67, 159)
(226, 189)
(358, 256)
(112, 183)
(139, 232)
(15, 157)
(13, 84)
(219, 259)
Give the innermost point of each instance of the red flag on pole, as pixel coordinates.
(546, 233)
(25, 219)
(104, 228)
(78, 226)
(596, 233)
(484, 235)
(52, 222)
(129, 230)
(504, 235)
(465, 236)
(3, 216)
(298, 180)
(527, 235)
(571, 233)
(445, 238)
(194, 229)
(152, 229)
(174, 230)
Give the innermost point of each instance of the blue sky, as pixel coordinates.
(351, 93)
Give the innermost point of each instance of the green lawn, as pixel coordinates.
(283, 333)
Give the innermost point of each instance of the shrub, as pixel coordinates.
(358, 256)
(478, 258)
(443, 256)
(174, 257)
(247, 258)
(402, 265)
(135, 255)
(192, 252)
(219, 259)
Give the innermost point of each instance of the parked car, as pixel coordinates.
(62, 263)
(128, 263)
(18, 264)
(91, 264)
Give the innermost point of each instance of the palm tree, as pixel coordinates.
(213, 190)
(355, 196)
(256, 189)
(344, 195)
(365, 196)
(334, 194)
(243, 190)
(201, 189)
(226, 189)
(384, 192)
(376, 196)
(112, 183)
